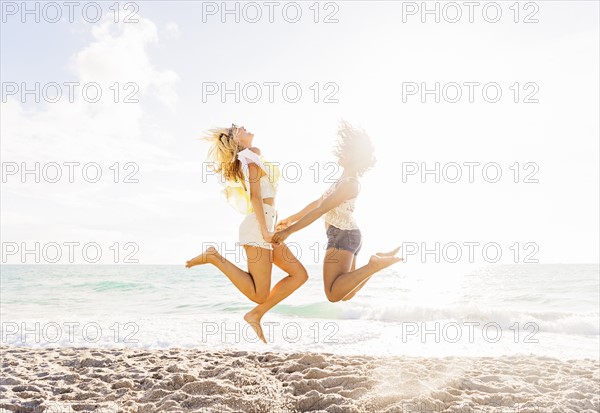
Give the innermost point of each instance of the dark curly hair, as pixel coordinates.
(354, 148)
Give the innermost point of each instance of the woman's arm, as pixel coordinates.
(314, 204)
(286, 222)
(254, 173)
(344, 191)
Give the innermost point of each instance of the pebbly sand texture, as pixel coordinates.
(189, 380)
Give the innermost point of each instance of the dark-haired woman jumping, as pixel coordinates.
(342, 280)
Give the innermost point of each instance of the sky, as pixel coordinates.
(154, 202)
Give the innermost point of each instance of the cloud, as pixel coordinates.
(119, 53)
(172, 30)
(105, 129)
(105, 132)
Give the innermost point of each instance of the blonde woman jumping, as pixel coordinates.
(251, 185)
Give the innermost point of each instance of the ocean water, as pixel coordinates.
(427, 310)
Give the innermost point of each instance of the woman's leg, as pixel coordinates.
(297, 275)
(254, 284)
(338, 277)
(362, 284)
(358, 287)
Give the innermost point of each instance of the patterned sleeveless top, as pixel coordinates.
(342, 216)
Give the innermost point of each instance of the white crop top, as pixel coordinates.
(342, 216)
(267, 190)
(268, 182)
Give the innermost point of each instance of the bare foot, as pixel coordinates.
(204, 258)
(389, 253)
(254, 320)
(382, 262)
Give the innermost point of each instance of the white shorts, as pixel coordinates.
(250, 233)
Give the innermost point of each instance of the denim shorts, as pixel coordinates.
(344, 239)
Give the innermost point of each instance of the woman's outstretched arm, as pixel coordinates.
(286, 222)
(344, 191)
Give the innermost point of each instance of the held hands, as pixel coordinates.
(280, 236)
(282, 232)
(283, 224)
(267, 236)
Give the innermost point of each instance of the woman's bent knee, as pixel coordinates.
(302, 276)
(332, 297)
(261, 297)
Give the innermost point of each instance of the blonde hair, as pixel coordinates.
(354, 146)
(223, 154)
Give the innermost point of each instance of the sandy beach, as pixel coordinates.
(192, 380)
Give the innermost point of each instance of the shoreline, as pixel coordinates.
(104, 380)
